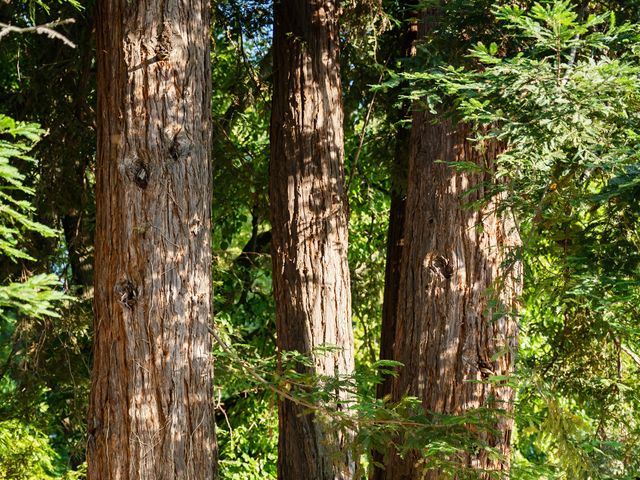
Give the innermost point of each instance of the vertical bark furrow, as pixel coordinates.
(308, 213)
(446, 333)
(150, 411)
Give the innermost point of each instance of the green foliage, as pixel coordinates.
(246, 413)
(240, 124)
(45, 338)
(34, 7)
(25, 453)
(36, 295)
(565, 105)
(374, 424)
(15, 212)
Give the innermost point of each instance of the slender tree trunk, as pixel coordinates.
(79, 242)
(395, 234)
(395, 242)
(150, 413)
(308, 213)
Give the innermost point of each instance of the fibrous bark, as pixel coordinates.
(150, 414)
(395, 243)
(309, 219)
(453, 324)
(395, 233)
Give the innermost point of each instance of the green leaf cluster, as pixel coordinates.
(37, 295)
(560, 91)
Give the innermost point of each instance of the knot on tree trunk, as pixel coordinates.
(127, 293)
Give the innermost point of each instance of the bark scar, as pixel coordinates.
(163, 49)
(180, 146)
(137, 171)
(127, 293)
(439, 264)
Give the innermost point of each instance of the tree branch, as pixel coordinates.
(44, 29)
(634, 356)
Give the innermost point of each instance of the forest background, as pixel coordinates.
(557, 82)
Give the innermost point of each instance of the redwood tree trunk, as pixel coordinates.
(453, 322)
(395, 233)
(395, 243)
(450, 336)
(150, 414)
(308, 213)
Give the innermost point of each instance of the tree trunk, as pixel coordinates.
(395, 233)
(395, 242)
(79, 241)
(309, 219)
(150, 413)
(453, 322)
(450, 335)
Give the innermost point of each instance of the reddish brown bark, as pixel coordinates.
(308, 214)
(449, 334)
(451, 331)
(150, 414)
(395, 243)
(395, 233)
